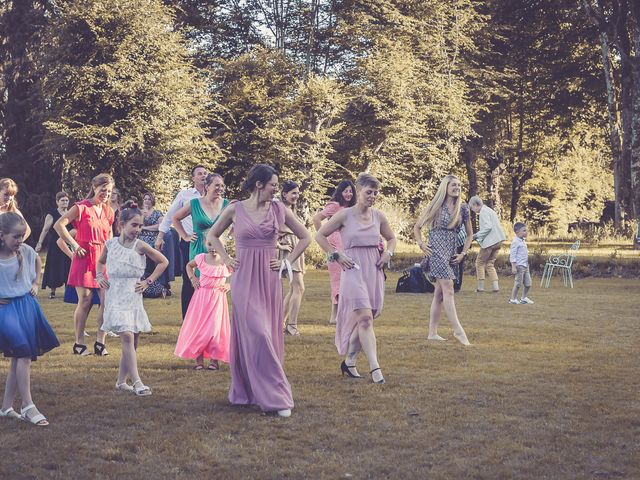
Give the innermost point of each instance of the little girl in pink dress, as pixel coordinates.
(205, 330)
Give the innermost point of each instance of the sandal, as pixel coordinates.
(10, 412)
(100, 349)
(81, 350)
(293, 333)
(124, 387)
(52, 296)
(213, 366)
(198, 367)
(140, 389)
(39, 420)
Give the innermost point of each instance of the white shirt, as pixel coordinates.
(519, 253)
(182, 198)
(10, 287)
(490, 231)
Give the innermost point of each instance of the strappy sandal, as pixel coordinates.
(124, 387)
(213, 366)
(198, 367)
(11, 413)
(293, 333)
(379, 382)
(140, 389)
(52, 296)
(100, 349)
(81, 350)
(39, 420)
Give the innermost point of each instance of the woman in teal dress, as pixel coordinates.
(204, 213)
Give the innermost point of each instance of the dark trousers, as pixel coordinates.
(187, 288)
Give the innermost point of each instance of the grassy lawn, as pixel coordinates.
(546, 391)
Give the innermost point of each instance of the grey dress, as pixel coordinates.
(443, 244)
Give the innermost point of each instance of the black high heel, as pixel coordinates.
(345, 370)
(381, 382)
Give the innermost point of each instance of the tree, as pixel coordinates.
(122, 96)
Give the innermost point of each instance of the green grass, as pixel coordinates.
(546, 391)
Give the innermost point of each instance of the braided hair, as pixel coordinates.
(9, 221)
(129, 210)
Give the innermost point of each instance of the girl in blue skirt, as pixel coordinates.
(25, 333)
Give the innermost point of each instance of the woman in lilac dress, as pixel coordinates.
(257, 339)
(362, 283)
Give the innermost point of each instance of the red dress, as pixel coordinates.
(92, 230)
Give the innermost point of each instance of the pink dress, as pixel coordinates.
(205, 330)
(335, 271)
(359, 288)
(257, 339)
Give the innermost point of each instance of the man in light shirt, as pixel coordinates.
(198, 175)
(490, 237)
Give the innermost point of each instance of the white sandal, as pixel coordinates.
(140, 389)
(37, 420)
(124, 387)
(10, 412)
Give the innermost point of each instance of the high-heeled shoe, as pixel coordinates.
(345, 370)
(379, 382)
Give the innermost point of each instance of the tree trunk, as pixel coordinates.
(615, 135)
(495, 173)
(634, 165)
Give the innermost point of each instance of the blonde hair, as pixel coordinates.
(366, 180)
(430, 214)
(12, 188)
(98, 181)
(8, 221)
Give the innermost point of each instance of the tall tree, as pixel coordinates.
(122, 96)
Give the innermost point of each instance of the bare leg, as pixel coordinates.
(11, 387)
(354, 349)
(82, 312)
(514, 292)
(101, 335)
(129, 361)
(296, 291)
(450, 310)
(334, 312)
(367, 338)
(525, 292)
(434, 313)
(23, 376)
(200, 361)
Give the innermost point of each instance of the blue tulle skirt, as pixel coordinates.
(24, 330)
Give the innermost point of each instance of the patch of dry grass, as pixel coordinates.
(547, 391)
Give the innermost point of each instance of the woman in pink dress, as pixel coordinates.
(343, 197)
(205, 330)
(257, 339)
(92, 219)
(362, 283)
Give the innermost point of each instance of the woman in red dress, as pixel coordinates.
(92, 218)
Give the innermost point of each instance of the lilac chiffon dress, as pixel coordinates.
(359, 288)
(257, 339)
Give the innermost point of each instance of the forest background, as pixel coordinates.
(535, 104)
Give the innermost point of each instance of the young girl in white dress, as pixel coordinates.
(124, 314)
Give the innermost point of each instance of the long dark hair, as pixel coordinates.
(259, 173)
(129, 210)
(287, 186)
(337, 195)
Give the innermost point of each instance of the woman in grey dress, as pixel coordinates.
(443, 217)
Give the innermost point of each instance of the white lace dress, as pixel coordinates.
(123, 308)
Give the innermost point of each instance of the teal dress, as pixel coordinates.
(201, 225)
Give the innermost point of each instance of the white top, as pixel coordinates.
(9, 286)
(490, 231)
(183, 197)
(519, 252)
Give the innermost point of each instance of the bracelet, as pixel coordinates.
(390, 253)
(333, 256)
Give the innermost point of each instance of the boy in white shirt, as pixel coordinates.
(519, 257)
